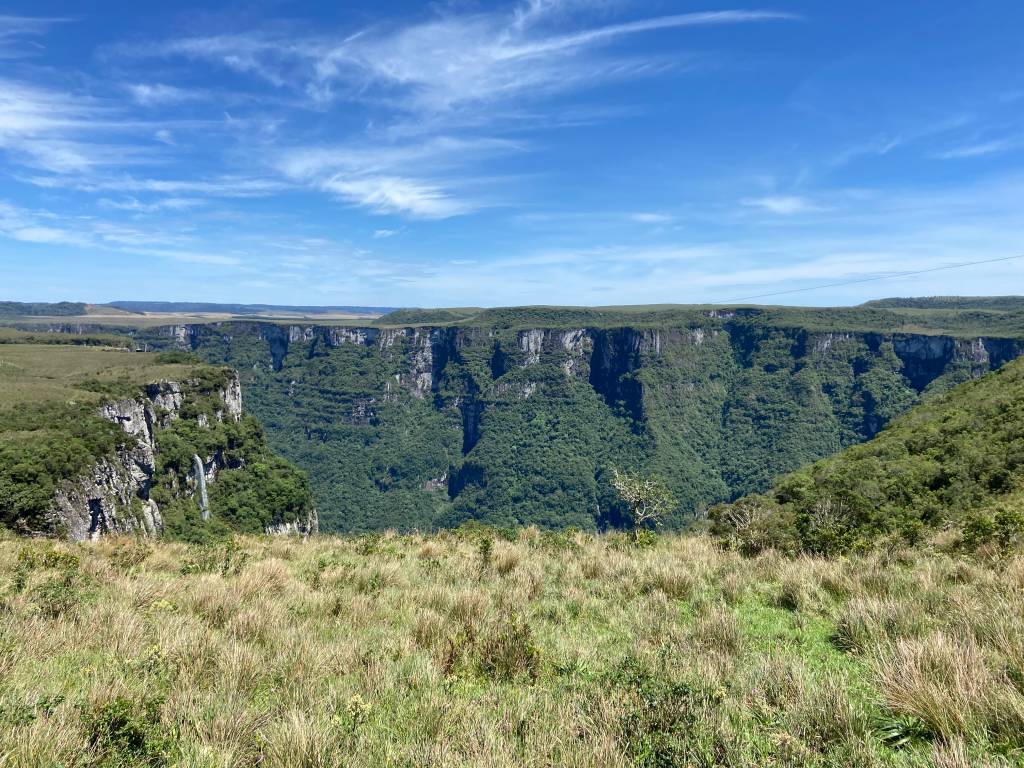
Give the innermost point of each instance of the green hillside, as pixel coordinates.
(520, 421)
(51, 433)
(1003, 303)
(955, 462)
(954, 316)
(430, 418)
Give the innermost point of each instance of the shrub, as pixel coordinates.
(644, 539)
(59, 595)
(508, 652)
(945, 683)
(126, 733)
(485, 553)
(999, 530)
(755, 524)
(179, 357)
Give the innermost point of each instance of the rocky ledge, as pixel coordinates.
(113, 496)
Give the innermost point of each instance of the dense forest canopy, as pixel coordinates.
(506, 420)
(518, 415)
(953, 462)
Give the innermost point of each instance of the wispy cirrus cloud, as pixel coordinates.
(163, 204)
(444, 63)
(14, 30)
(650, 217)
(453, 62)
(782, 205)
(390, 194)
(69, 134)
(431, 78)
(219, 186)
(979, 149)
(419, 179)
(159, 94)
(42, 227)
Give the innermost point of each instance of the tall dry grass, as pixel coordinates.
(552, 649)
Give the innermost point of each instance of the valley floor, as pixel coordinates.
(465, 650)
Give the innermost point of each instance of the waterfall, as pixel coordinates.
(204, 500)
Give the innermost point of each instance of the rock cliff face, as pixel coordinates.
(523, 422)
(113, 496)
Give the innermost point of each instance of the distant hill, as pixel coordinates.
(998, 303)
(241, 309)
(955, 461)
(41, 309)
(1004, 318)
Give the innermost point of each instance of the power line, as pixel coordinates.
(870, 279)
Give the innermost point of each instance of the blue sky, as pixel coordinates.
(544, 151)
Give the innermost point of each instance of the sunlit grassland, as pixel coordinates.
(462, 650)
(43, 373)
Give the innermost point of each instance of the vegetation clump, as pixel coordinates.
(952, 463)
(648, 499)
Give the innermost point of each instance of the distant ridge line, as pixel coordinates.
(239, 309)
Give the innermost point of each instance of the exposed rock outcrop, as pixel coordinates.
(113, 496)
(310, 526)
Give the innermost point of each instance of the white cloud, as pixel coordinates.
(48, 228)
(382, 234)
(454, 72)
(783, 205)
(190, 257)
(14, 28)
(221, 186)
(415, 179)
(459, 61)
(164, 204)
(49, 235)
(389, 194)
(647, 217)
(980, 149)
(60, 132)
(446, 63)
(157, 94)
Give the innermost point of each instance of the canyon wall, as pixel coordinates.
(418, 427)
(116, 494)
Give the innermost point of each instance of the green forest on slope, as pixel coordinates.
(954, 462)
(429, 418)
(51, 432)
(417, 428)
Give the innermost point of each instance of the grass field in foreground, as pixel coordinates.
(464, 650)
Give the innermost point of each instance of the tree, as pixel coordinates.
(648, 499)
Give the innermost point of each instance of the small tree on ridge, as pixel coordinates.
(648, 499)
